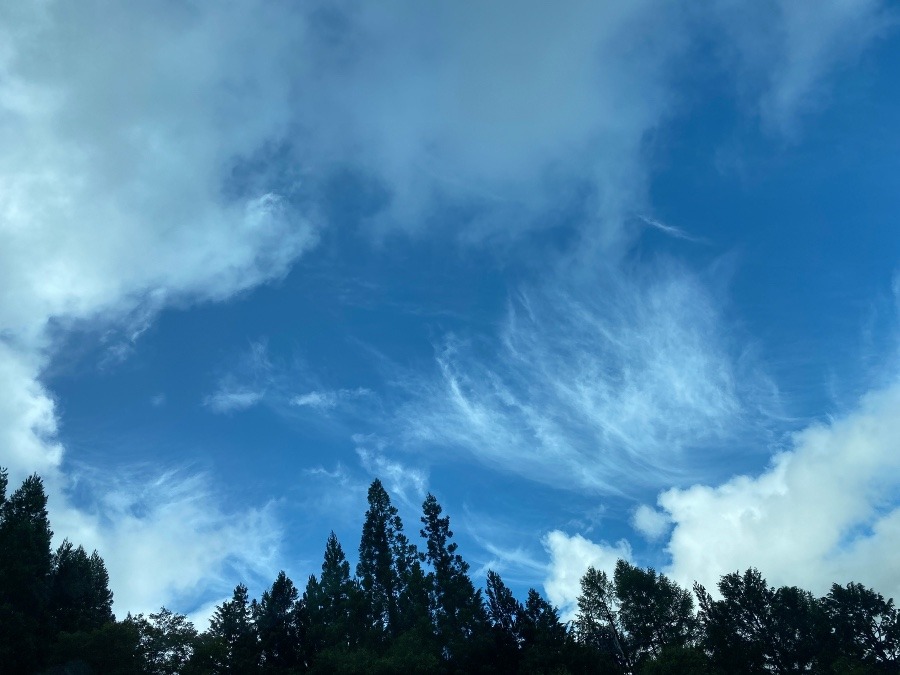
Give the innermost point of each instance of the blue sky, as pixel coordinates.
(611, 281)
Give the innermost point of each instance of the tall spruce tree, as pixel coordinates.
(507, 619)
(236, 644)
(25, 566)
(279, 620)
(80, 599)
(384, 563)
(460, 621)
(332, 602)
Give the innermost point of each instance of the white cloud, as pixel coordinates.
(230, 400)
(326, 400)
(570, 557)
(142, 524)
(785, 51)
(824, 511)
(408, 484)
(650, 522)
(602, 384)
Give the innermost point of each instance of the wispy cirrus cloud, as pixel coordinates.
(604, 385)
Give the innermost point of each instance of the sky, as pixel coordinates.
(611, 280)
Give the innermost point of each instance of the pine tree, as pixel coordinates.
(278, 617)
(332, 602)
(383, 564)
(232, 630)
(80, 599)
(506, 617)
(25, 565)
(459, 619)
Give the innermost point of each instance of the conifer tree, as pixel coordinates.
(506, 617)
(384, 561)
(232, 630)
(279, 621)
(25, 565)
(459, 619)
(80, 599)
(332, 602)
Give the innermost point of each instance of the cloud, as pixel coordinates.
(785, 51)
(824, 511)
(604, 384)
(225, 400)
(650, 522)
(401, 481)
(140, 522)
(570, 557)
(326, 400)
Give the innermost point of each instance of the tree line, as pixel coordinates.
(407, 610)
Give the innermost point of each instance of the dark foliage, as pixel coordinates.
(411, 612)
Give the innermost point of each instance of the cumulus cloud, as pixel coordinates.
(824, 511)
(601, 385)
(570, 557)
(649, 522)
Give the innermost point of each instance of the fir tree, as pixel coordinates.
(25, 566)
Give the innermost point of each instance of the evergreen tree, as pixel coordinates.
(459, 619)
(80, 599)
(332, 603)
(235, 647)
(278, 617)
(506, 617)
(383, 567)
(25, 565)
(545, 640)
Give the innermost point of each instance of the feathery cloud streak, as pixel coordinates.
(605, 385)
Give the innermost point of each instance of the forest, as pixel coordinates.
(407, 610)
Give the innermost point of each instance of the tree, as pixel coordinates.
(383, 562)
(864, 627)
(756, 629)
(278, 619)
(80, 599)
(25, 564)
(459, 619)
(597, 623)
(654, 612)
(332, 603)
(166, 641)
(506, 617)
(236, 645)
(546, 643)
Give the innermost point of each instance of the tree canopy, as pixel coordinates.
(406, 611)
